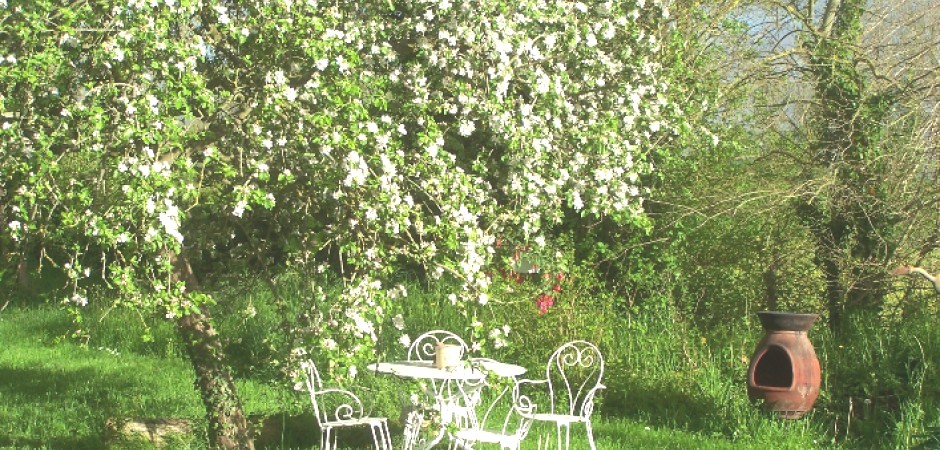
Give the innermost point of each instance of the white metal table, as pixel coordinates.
(467, 371)
(426, 370)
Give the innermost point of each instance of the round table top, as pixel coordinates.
(426, 369)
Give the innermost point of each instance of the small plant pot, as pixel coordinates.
(784, 373)
(447, 356)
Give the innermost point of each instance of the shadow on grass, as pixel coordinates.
(301, 431)
(45, 322)
(660, 406)
(62, 401)
(57, 408)
(77, 443)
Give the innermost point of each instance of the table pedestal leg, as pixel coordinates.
(415, 438)
(413, 422)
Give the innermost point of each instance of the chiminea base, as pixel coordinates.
(784, 371)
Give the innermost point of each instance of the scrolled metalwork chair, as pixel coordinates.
(505, 422)
(339, 408)
(572, 378)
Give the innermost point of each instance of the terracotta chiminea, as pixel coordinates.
(784, 370)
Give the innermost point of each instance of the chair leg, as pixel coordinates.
(388, 436)
(412, 429)
(375, 437)
(590, 434)
(381, 437)
(567, 428)
(325, 438)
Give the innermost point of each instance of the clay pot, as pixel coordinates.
(784, 371)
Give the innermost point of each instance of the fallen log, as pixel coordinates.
(155, 431)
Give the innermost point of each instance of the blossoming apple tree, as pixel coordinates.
(140, 136)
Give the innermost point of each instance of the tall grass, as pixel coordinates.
(669, 383)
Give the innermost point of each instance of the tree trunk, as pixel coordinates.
(834, 291)
(770, 289)
(829, 232)
(22, 275)
(873, 249)
(853, 223)
(228, 425)
(771, 282)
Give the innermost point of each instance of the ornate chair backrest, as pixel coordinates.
(329, 404)
(314, 385)
(424, 347)
(519, 418)
(524, 409)
(574, 374)
(509, 412)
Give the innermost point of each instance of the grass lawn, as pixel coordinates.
(57, 394)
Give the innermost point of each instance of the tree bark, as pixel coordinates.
(770, 288)
(228, 426)
(834, 291)
(852, 224)
(829, 232)
(22, 275)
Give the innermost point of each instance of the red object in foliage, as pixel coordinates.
(556, 288)
(544, 301)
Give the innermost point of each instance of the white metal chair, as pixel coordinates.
(573, 377)
(505, 422)
(338, 408)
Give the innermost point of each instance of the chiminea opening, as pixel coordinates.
(774, 368)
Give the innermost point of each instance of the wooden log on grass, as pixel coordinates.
(158, 432)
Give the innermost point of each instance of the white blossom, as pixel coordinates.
(239, 208)
(466, 128)
(398, 322)
(78, 300)
(357, 169)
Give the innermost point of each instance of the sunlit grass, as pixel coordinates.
(669, 385)
(57, 394)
